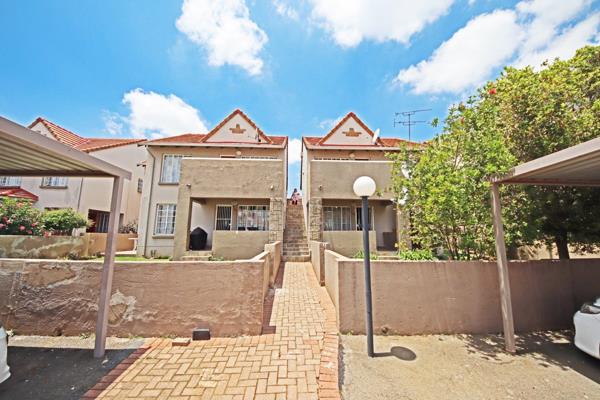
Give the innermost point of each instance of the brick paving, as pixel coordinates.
(296, 357)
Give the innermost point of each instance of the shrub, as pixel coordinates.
(415, 255)
(19, 217)
(361, 254)
(63, 221)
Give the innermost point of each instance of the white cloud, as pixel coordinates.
(155, 115)
(328, 124)
(468, 57)
(224, 29)
(534, 31)
(113, 122)
(294, 151)
(352, 21)
(283, 8)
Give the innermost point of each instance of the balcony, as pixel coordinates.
(333, 179)
(233, 177)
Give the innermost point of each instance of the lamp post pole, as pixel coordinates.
(364, 186)
(367, 262)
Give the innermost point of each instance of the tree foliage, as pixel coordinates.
(63, 221)
(522, 115)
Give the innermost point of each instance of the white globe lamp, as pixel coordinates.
(364, 186)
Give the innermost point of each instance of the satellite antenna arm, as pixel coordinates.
(376, 135)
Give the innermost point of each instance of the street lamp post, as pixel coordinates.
(364, 187)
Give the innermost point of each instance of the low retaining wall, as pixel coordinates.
(275, 254)
(44, 297)
(459, 297)
(52, 247)
(238, 245)
(317, 258)
(347, 243)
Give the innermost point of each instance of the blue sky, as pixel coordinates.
(139, 68)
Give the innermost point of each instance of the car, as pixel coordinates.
(4, 370)
(587, 328)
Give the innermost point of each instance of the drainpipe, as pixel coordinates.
(149, 201)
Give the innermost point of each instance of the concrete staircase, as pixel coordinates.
(295, 244)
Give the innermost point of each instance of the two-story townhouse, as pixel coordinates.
(230, 182)
(89, 196)
(330, 165)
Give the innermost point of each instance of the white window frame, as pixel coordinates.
(159, 232)
(344, 226)
(10, 181)
(263, 208)
(171, 179)
(217, 216)
(55, 181)
(358, 211)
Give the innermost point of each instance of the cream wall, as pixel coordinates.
(156, 193)
(338, 137)
(83, 194)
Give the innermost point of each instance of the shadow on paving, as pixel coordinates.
(55, 373)
(546, 348)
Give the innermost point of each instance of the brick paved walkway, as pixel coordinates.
(295, 358)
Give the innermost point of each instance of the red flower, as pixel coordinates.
(492, 91)
(29, 232)
(2, 226)
(21, 228)
(34, 224)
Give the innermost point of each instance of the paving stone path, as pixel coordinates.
(296, 357)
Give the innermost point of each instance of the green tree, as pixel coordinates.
(63, 221)
(19, 217)
(546, 111)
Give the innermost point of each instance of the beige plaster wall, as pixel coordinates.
(317, 259)
(239, 245)
(19, 246)
(275, 250)
(348, 243)
(333, 179)
(97, 242)
(40, 297)
(459, 297)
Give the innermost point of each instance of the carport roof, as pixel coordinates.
(575, 166)
(24, 152)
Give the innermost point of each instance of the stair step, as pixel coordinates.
(296, 258)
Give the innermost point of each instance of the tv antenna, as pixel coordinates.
(404, 118)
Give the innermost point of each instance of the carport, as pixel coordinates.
(575, 166)
(24, 152)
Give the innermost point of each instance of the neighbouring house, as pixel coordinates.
(330, 164)
(89, 196)
(230, 182)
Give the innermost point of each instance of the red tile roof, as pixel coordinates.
(17, 193)
(86, 145)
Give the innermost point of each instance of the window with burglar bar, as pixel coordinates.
(337, 218)
(223, 220)
(10, 181)
(165, 219)
(359, 218)
(253, 218)
(54, 181)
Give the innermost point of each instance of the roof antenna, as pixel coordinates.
(399, 119)
(376, 135)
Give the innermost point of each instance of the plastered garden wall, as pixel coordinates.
(459, 297)
(51, 297)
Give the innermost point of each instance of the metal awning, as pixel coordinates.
(575, 166)
(24, 152)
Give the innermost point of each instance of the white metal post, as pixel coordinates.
(108, 267)
(505, 296)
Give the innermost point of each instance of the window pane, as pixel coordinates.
(359, 218)
(223, 222)
(253, 218)
(336, 219)
(165, 219)
(54, 181)
(10, 181)
(171, 167)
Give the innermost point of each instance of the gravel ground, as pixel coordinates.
(45, 367)
(547, 366)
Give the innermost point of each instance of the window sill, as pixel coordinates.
(168, 183)
(54, 187)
